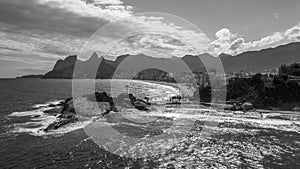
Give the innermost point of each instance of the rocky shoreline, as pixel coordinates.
(65, 111)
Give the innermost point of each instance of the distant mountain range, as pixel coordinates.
(255, 61)
(258, 61)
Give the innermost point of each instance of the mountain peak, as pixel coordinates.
(254, 61)
(68, 61)
(94, 57)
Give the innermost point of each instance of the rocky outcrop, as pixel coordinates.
(53, 112)
(66, 114)
(139, 103)
(68, 108)
(103, 97)
(61, 122)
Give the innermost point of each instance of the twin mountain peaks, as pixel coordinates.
(254, 61)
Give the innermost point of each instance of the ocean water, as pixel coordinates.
(217, 139)
(23, 145)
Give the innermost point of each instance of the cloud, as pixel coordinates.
(106, 2)
(38, 32)
(158, 45)
(223, 42)
(35, 33)
(45, 46)
(71, 19)
(42, 31)
(108, 10)
(231, 43)
(267, 41)
(236, 43)
(146, 28)
(293, 33)
(225, 35)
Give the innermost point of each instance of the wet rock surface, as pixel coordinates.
(102, 97)
(139, 104)
(61, 122)
(66, 114)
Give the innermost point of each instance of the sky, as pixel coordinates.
(36, 33)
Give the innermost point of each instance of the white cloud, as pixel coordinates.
(33, 47)
(41, 31)
(225, 35)
(267, 41)
(116, 9)
(223, 42)
(107, 2)
(237, 43)
(109, 10)
(230, 43)
(293, 34)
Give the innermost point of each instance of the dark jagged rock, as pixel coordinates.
(54, 111)
(62, 122)
(175, 100)
(102, 97)
(139, 103)
(67, 115)
(68, 108)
